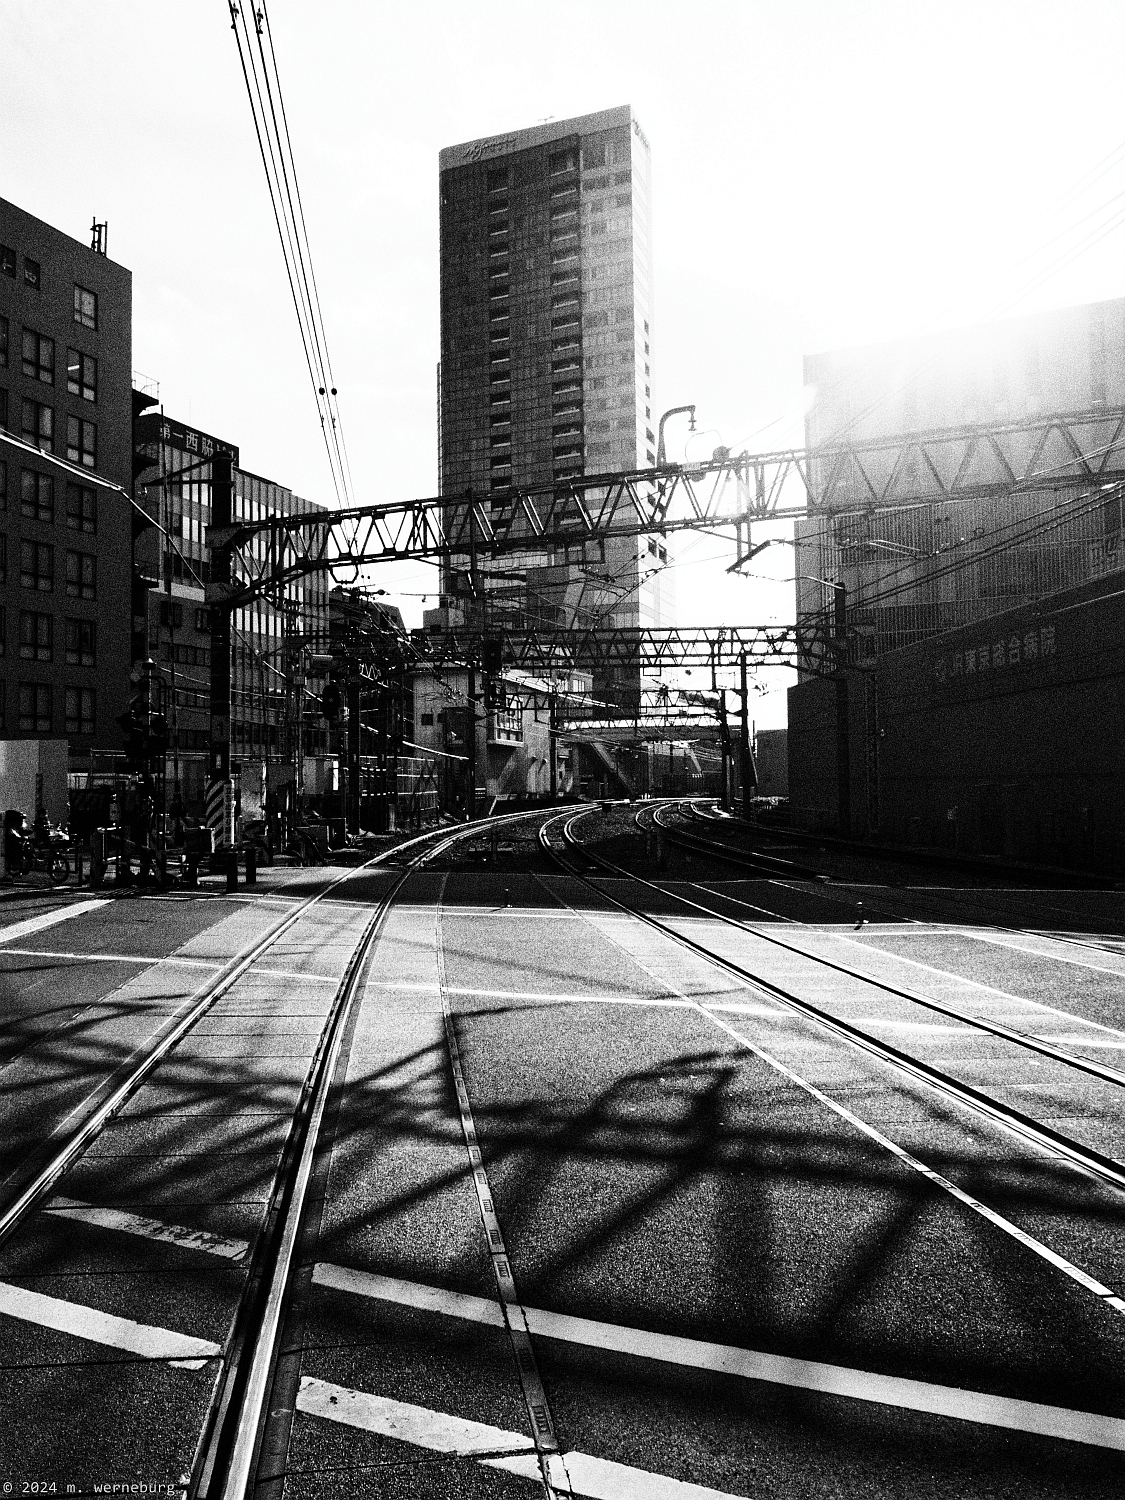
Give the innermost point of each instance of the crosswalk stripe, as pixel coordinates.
(577, 1474)
(104, 1328)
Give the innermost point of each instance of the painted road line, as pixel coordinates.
(51, 918)
(1001, 941)
(963, 979)
(533, 995)
(414, 1294)
(149, 1229)
(836, 1380)
(103, 1328)
(1108, 1297)
(727, 1359)
(171, 963)
(577, 1474)
(1077, 1040)
(527, 1367)
(114, 958)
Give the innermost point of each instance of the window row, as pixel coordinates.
(37, 427)
(31, 270)
(37, 638)
(36, 709)
(37, 570)
(37, 500)
(85, 301)
(172, 616)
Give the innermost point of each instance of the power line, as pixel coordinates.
(267, 107)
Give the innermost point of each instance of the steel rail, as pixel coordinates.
(1105, 1168)
(228, 1453)
(1093, 882)
(751, 860)
(117, 1089)
(997, 1028)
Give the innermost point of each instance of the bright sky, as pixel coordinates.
(826, 172)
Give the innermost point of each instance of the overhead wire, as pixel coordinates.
(263, 91)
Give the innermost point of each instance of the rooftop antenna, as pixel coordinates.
(99, 237)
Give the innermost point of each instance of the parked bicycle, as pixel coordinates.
(27, 849)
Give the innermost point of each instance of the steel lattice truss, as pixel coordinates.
(647, 650)
(564, 520)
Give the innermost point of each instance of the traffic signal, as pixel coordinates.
(146, 734)
(332, 702)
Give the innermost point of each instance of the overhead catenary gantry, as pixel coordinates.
(571, 521)
(729, 493)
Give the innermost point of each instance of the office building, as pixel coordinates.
(979, 709)
(65, 543)
(274, 687)
(546, 356)
(975, 405)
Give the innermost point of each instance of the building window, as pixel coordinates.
(81, 643)
(37, 496)
(81, 508)
(85, 307)
(38, 423)
(7, 261)
(82, 442)
(30, 272)
(562, 161)
(37, 566)
(38, 356)
(203, 619)
(35, 707)
(3, 343)
(81, 575)
(79, 710)
(81, 374)
(171, 615)
(3, 408)
(3, 484)
(37, 636)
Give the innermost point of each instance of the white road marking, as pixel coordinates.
(727, 1359)
(50, 918)
(1001, 941)
(1108, 1297)
(577, 1474)
(837, 1380)
(149, 1229)
(410, 1294)
(554, 999)
(1079, 1040)
(115, 958)
(976, 984)
(103, 1328)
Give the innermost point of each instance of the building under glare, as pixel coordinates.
(546, 339)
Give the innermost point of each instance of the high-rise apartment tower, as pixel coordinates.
(546, 336)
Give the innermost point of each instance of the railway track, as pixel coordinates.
(277, 1397)
(986, 900)
(561, 840)
(241, 1428)
(842, 896)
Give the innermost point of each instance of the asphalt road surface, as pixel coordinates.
(589, 1213)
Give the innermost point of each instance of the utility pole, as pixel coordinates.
(220, 791)
(843, 709)
(471, 747)
(354, 693)
(724, 731)
(747, 773)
